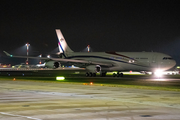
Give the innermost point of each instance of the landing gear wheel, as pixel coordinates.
(119, 74)
(87, 74)
(90, 74)
(94, 74)
(103, 74)
(114, 74)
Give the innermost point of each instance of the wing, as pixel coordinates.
(64, 60)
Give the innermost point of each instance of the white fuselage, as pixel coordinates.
(124, 61)
(118, 61)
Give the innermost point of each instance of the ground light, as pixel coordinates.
(60, 78)
(158, 73)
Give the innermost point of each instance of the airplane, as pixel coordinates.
(103, 62)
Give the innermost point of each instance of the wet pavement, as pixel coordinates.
(35, 100)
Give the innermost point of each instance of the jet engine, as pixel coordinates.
(94, 68)
(52, 64)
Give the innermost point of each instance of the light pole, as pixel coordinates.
(40, 57)
(88, 47)
(27, 45)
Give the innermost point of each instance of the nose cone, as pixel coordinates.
(173, 63)
(167, 64)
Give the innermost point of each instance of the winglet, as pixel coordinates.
(7, 54)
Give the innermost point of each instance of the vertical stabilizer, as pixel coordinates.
(63, 47)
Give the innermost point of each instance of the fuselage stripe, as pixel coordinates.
(114, 53)
(71, 57)
(61, 49)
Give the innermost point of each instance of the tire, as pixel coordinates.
(87, 74)
(121, 74)
(103, 74)
(114, 75)
(90, 74)
(94, 74)
(118, 75)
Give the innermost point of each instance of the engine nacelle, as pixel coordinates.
(94, 68)
(52, 64)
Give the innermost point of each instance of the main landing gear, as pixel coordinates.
(103, 74)
(118, 74)
(90, 74)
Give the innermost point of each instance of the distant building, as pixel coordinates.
(5, 65)
(23, 65)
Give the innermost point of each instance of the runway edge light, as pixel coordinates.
(60, 78)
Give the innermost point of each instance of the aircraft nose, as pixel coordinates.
(173, 63)
(168, 64)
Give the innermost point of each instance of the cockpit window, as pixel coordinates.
(167, 58)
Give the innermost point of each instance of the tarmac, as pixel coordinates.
(37, 100)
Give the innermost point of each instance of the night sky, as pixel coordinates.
(105, 25)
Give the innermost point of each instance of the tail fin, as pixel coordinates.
(63, 46)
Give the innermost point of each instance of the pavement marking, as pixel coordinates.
(20, 116)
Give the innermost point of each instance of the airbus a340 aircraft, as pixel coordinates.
(103, 62)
